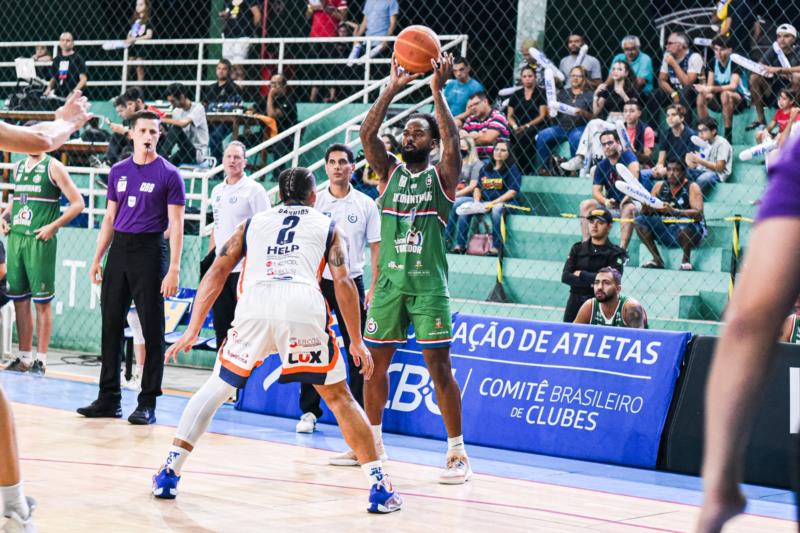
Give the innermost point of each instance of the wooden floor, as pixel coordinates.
(94, 475)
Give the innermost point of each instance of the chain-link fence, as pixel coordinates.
(498, 34)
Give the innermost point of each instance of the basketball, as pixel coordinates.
(415, 47)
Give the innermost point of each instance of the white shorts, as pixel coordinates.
(235, 50)
(290, 319)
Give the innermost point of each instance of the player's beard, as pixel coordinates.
(415, 156)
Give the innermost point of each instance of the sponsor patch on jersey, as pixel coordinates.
(147, 187)
(131, 201)
(37, 178)
(233, 199)
(372, 326)
(352, 218)
(23, 217)
(122, 184)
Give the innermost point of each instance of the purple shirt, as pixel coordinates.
(142, 193)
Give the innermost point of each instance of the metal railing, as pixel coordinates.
(198, 59)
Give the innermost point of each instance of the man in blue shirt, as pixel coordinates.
(676, 141)
(605, 194)
(641, 64)
(458, 91)
(380, 19)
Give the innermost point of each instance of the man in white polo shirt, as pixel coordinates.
(357, 215)
(233, 201)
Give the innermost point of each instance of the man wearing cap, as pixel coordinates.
(765, 91)
(586, 258)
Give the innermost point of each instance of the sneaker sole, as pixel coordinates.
(306, 431)
(456, 480)
(350, 462)
(380, 509)
(162, 496)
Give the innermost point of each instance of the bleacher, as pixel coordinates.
(537, 246)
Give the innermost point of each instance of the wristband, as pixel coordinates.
(673, 94)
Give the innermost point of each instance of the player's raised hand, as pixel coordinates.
(75, 110)
(442, 71)
(362, 358)
(399, 77)
(184, 344)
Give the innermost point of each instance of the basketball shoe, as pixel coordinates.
(349, 458)
(16, 524)
(165, 484)
(383, 498)
(457, 470)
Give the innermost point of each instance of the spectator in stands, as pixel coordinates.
(725, 88)
(458, 90)
(640, 63)
(679, 72)
(233, 201)
(682, 199)
(485, 125)
(41, 54)
(325, 15)
(787, 105)
(608, 102)
(676, 142)
(605, 194)
(241, 19)
(790, 332)
(765, 90)
(68, 72)
(367, 179)
(188, 131)
(141, 30)
(714, 162)
(641, 136)
(574, 43)
(527, 112)
(586, 258)
(379, 19)
(500, 183)
(281, 106)
(567, 128)
(120, 145)
(609, 307)
(471, 166)
(223, 96)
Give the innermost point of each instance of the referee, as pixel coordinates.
(145, 196)
(357, 215)
(586, 258)
(233, 201)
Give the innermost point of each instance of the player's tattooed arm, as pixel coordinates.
(343, 285)
(211, 284)
(450, 165)
(633, 315)
(337, 255)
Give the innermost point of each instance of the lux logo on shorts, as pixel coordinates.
(306, 358)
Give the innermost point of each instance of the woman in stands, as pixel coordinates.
(471, 166)
(527, 112)
(500, 182)
(567, 127)
(141, 29)
(607, 105)
(764, 294)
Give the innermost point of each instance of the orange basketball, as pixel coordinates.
(415, 47)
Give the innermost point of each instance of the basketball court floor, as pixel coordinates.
(254, 473)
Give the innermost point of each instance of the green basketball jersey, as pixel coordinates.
(36, 198)
(414, 211)
(599, 319)
(795, 336)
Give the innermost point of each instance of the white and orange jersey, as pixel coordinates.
(288, 243)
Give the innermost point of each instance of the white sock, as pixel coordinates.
(373, 471)
(456, 443)
(14, 500)
(377, 432)
(41, 357)
(176, 457)
(26, 357)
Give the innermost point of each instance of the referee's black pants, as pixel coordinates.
(133, 271)
(309, 397)
(574, 304)
(225, 305)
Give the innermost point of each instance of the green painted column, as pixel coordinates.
(530, 26)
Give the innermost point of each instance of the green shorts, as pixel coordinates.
(31, 265)
(391, 312)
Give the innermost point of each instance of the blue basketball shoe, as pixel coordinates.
(165, 484)
(383, 498)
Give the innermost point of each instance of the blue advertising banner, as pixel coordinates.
(586, 392)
